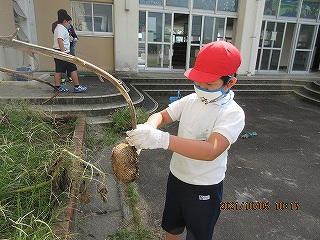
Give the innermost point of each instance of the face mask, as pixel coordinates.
(209, 96)
(68, 27)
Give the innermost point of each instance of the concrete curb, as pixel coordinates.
(64, 225)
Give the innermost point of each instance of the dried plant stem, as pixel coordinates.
(87, 163)
(56, 172)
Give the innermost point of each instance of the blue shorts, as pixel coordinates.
(194, 207)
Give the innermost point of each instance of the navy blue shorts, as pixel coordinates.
(63, 66)
(194, 207)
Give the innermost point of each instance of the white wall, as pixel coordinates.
(7, 28)
(248, 33)
(126, 35)
(10, 58)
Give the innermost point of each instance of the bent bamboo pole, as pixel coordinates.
(31, 49)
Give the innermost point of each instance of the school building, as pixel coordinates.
(274, 36)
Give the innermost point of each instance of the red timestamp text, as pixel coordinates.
(253, 206)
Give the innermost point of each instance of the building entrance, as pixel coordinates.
(273, 51)
(171, 41)
(304, 48)
(163, 39)
(179, 40)
(316, 60)
(286, 46)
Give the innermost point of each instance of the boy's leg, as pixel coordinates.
(68, 76)
(172, 237)
(77, 87)
(60, 68)
(73, 71)
(172, 219)
(74, 75)
(63, 78)
(57, 79)
(201, 210)
(75, 79)
(58, 72)
(57, 82)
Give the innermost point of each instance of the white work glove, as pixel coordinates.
(146, 137)
(146, 125)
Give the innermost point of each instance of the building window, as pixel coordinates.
(92, 18)
(196, 29)
(228, 5)
(177, 3)
(310, 9)
(204, 4)
(271, 7)
(209, 5)
(289, 8)
(151, 2)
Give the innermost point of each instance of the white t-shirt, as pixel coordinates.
(61, 32)
(198, 121)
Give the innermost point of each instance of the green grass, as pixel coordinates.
(34, 167)
(114, 131)
(30, 145)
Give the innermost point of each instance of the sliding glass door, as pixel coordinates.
(270, 46)
(304, 46)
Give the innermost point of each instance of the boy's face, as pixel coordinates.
(217, 84)
(209, 92)
(65, 23)
(210, 85)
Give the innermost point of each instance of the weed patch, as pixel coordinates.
(30, 146)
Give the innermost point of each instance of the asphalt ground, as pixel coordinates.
(271, 189)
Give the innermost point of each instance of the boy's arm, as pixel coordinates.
(73, 32)
(160, 119)
(151, 138)
(54, 25)
(196, 149)
(200, 150)
(61, 45)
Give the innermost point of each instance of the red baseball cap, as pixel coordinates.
(214, 60)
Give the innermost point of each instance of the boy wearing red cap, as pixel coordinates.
(209, 122)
